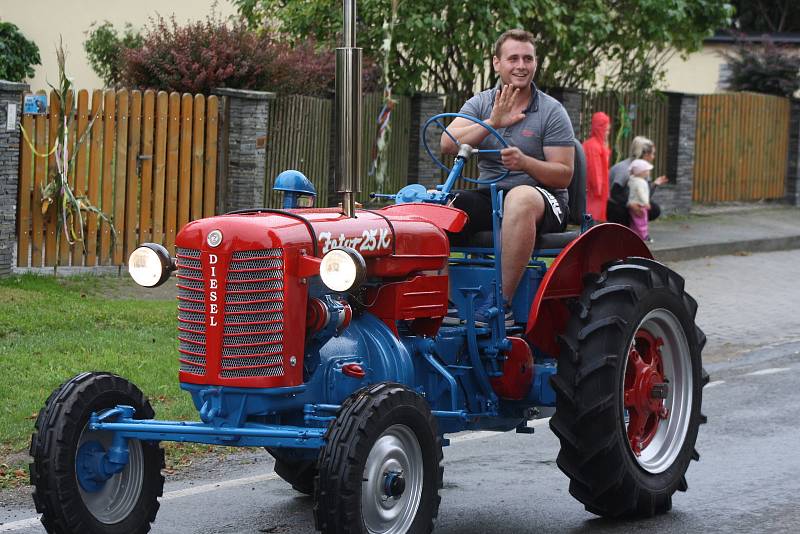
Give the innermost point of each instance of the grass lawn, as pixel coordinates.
(53, 328)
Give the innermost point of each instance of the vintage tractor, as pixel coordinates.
(318, 334)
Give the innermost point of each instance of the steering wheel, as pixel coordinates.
(436, 120)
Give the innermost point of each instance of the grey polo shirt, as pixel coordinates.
(545, 124)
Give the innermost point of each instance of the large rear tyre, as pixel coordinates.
(297, 472)
(380, 470)
(629, 390)
(69, 501)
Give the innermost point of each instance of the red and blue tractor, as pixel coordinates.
(322, 335)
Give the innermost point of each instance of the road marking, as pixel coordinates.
(770, 371)
(205, 488)
(19, 525)
(486, 434)
(714, 383)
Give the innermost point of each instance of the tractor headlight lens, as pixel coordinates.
(150, 265)
(342, 269)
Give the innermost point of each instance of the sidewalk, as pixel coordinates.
(713, 231)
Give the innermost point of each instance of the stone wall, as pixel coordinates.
(793, 166)
(242, 149)
(421, 169)
(676, 197)
(572, 100)
(10, 104)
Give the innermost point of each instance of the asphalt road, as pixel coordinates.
(747, 480)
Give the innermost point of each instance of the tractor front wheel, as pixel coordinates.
(381, 468)
(67, 491)
(629, 390)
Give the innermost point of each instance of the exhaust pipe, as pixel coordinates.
(348, 112)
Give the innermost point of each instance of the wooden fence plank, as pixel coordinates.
(50, 249)
(184, 183)
(120, 183)
(25, 187)
(40, 170)
(198, 137)
(95, 161)
(146, 167)
(741, 147)
(132, 186)
(109, 156)
(80, 169)
(173, 149)
(160, 165)
(210, 182)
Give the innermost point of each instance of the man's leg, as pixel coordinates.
(523, 208)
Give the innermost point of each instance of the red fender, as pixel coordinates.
(564, 279)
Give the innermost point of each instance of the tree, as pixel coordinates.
(766, 16)
(18, 55)
(105, 50)
(201, 56)
(446, 45)
(763, 68)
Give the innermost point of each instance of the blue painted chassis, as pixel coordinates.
(452, 371)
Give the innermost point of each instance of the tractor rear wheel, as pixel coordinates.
(380, 470)
(69, 498)
(629, 390)
(299, 473)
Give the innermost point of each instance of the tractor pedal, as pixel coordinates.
(523, 428)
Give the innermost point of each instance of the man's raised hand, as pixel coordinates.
(502, 111)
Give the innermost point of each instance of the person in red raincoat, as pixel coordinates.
(598, 154)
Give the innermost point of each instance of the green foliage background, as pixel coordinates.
(18, 55)
(446, 45)
(105, 48)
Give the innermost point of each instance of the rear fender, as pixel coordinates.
(564, 279)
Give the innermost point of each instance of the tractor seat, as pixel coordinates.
(577, 207)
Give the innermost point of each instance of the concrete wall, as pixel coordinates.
(43, 21)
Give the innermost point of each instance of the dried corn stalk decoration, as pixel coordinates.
(57, 193)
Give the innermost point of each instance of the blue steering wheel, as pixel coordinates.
(436, 120)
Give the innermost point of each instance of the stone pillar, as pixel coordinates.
(676, 197)
(10, 115)
(242, 149)
(572, 100)
(421, 169)
(793, 166)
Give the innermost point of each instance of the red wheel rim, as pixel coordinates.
(645, 390)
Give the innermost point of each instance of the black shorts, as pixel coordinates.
(478, 205)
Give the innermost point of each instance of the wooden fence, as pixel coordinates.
(149, 162)
(741, 147)
(649, 118)
(300, 137)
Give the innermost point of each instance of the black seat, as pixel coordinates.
(577, 208)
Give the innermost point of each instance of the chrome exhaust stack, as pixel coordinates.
(348, 112)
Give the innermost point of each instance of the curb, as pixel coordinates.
(726, 248)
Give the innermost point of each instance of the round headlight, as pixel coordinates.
(342, 269)
(150, 265)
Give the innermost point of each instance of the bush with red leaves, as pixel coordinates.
(202, 56)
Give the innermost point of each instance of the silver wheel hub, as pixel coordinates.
(391, 488)
(118, 496)
(665, 444)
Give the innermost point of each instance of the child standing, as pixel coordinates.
(639, 193)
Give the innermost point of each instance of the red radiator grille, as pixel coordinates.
(253, 328)
(252, 338)
(191, 312)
